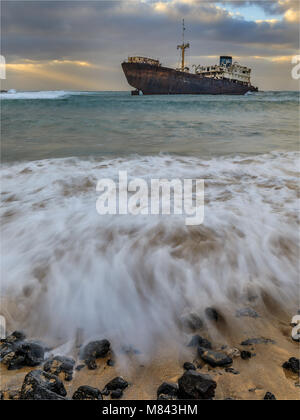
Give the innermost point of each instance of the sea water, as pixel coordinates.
(128, 278)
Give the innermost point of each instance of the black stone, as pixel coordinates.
(40, 385)
(231, 370)
(116, 383)
(60, 364)
(252, 341)
(192, 322)
(105, 392)
(116, 394)
(79, 367)
(196, 386)
(214, 358)
(189, 366)
(9, 344)
(93, 351)
(24, 354)
(293, 365)
(167, 389)
(245, 355)
(197, 340)
(269, 396)
(211, 314)
(86, 392)
(110, 363)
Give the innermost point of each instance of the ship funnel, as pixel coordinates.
(225, 60)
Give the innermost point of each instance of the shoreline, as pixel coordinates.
(245, 379)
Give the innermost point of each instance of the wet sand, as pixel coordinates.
(258, 375)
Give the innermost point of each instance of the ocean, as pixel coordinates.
(132, 279)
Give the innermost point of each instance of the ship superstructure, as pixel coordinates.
(148, 76)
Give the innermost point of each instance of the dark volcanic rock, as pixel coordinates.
(39, 385)
(79, 367)
(245, 355)
(60, 364)
(9, 344)
(110, 363)
(192, 322)
(293, 365)
(214, 358)
(24, 354)
(231, 370)
(86, 392)
(105, 392)
(167, 390)
(189, 366)
(211, 314)
(14, 337)
(117, 394)
(116, 383)
(252, 341)
(247, 312)
(269, 396)
(197, 340)
(196, 386)
(93, 351)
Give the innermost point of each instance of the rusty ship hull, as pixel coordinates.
(158, 80)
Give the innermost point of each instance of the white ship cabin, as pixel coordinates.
(143, 60)
(226, 70)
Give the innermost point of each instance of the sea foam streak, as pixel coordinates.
(51, 94)
(130, 278)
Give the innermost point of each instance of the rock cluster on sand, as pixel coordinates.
(191, 385)
(196, 386)
(40, 385)
(60, 365)
(47, 384)
(214, 358)
(16, 352)
(115, 388)
(87, 393)
(93, 351)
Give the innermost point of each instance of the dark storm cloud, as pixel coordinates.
(41, 30)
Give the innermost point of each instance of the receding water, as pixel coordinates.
(131, 278)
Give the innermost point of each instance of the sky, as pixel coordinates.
(79, 45)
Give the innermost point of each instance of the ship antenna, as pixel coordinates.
(183, 47)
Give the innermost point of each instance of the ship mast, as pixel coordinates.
(183, 47)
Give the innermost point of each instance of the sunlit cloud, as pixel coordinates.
(292, 15)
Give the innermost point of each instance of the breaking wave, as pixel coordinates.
(131, 279)
(51, 94)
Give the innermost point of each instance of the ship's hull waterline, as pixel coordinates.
(157, 80)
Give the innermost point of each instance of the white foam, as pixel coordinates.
(51, 94)
(130, 278)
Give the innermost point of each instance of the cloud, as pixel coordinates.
(102, 34)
